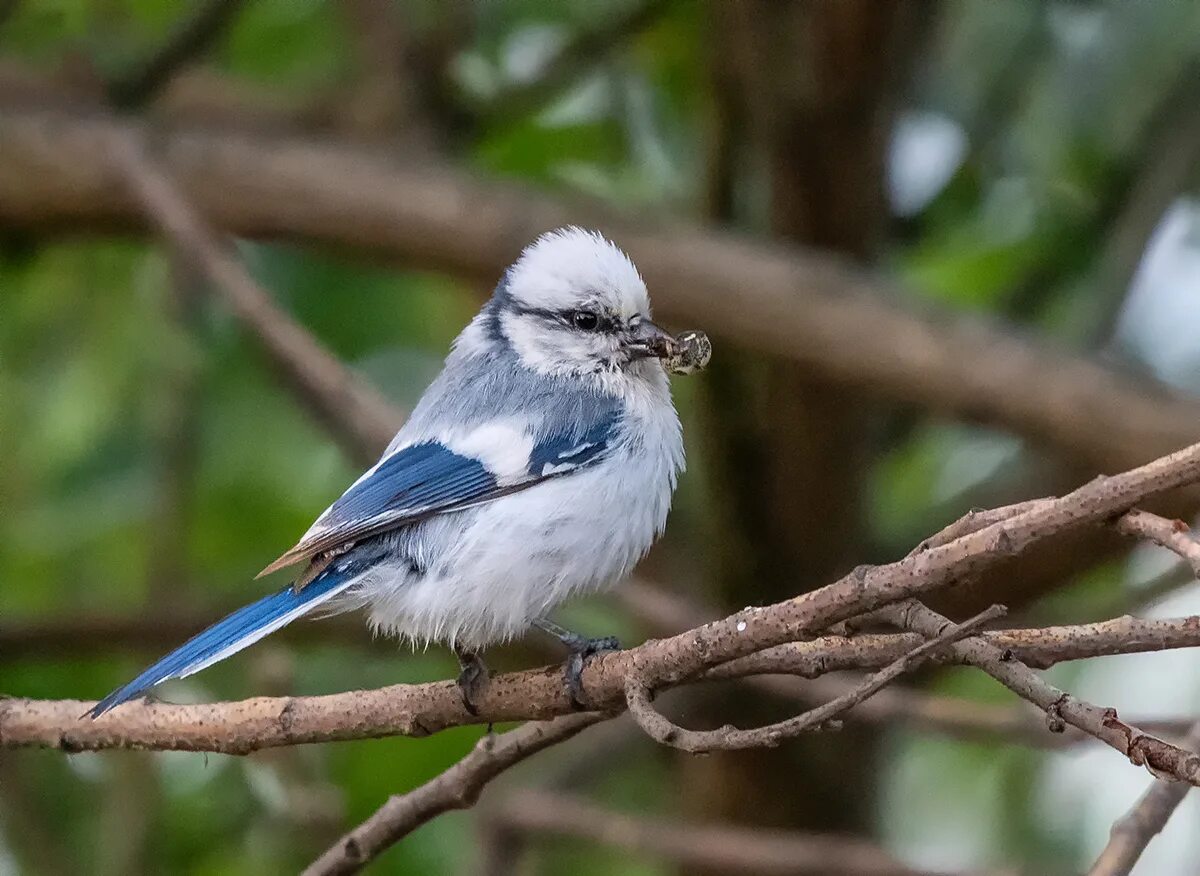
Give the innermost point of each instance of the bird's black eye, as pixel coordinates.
(585, 320)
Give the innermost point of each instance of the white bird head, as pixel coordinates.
(573, 303)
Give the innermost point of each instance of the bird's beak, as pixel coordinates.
(648, 341)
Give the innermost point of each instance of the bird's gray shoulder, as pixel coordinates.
(490, 385)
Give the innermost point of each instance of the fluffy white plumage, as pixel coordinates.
(562, 267)
(539, 464)
(489, 571)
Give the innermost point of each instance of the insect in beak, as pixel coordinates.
(683, 354)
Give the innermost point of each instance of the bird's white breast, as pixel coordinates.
(487, 572)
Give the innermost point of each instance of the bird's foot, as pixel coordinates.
(473, 678)
(580, 654)
(582, 649)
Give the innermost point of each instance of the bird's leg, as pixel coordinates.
(472, 678)
(581, 649)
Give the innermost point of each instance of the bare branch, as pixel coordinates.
(972, 720)
(253, 724)
(191, 37)
(799, 304)
(729, 738)
(1160, 757)
(384, 103)
(1164, 164)
(975, 520)
(578, 55)
(724, 847)
(353, 411)
(457, 788)
(805, 665)
(1039, 648)
(1174, 535)
(804, 662)
(1134, 831)
(421, 709)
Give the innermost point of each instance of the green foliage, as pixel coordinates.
(97, 361)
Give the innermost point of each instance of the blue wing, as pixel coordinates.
(564, 451)
(428, 478)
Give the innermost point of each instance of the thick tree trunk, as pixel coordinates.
(814, 87)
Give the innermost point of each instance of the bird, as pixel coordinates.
(539, 464)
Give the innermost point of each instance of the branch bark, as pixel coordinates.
(360, 418)
(1174, 535)
(799, 304)
(457, 788)
(420, 709)
(189, 39)
(1161, 758)
(584, 50)
(1134, 831)
(728, 738)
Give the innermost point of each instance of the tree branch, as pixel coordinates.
(1134, 831)
(353, 411)
(804, 662)
(457, 788)
(1174, 535)
(1160, 757)
(190, 38)
(585, 48)
(808, 307)
(728, 738)
(420, 709)
(960, 718)
(1038, 648)
(1165, 164)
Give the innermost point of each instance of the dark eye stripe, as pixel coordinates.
(604, 323)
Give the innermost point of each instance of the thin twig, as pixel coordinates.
(457, 788)
(583, 50)
(353, 411)
(972, 720)
(190, 38)
(1040, 648)
(729, 738)
(797, 671)
(1174, 535)
(1162, 167)
(1133, 832)
(1160, 757)
(975, 520)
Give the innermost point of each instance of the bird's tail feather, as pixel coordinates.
(228, 636)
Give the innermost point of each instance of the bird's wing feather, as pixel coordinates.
(419, 480)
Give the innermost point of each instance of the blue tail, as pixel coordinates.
(226, 637)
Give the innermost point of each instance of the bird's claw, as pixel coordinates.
(473, 678)
(581, 651)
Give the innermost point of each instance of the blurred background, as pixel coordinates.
(1027, 165)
